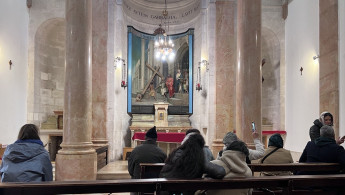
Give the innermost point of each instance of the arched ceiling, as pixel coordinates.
(150, 11)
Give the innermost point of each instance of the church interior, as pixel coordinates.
(95, 75)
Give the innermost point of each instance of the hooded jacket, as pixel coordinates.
(234, 163)
(314, 131)
(323, 150)
(26, 161)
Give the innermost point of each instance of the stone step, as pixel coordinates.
(114, 170)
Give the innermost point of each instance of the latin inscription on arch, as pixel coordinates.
(155, 17)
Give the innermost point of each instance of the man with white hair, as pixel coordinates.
(323, 149)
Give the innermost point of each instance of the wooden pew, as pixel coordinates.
(288, 184)
(293, 167)
(78, 187)
(151, 169)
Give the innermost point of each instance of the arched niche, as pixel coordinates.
(271, 52)
(49, 68)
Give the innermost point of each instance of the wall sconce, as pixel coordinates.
(316, 57)
(198, 79)
(204, 63)
(118, 62)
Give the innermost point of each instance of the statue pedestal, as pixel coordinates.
(161, 114)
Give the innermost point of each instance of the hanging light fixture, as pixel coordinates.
(163, 43)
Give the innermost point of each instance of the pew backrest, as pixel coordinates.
(294, 167)
(152, 170)
(288, 184)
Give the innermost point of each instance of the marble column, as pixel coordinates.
(99, 72)
(225, 56)
(77, 160)
(329, 60)
(248, 73)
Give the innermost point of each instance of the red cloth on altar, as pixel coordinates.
(161, 137)
(273, 132)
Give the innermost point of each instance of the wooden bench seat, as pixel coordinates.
(287, 184)
(151, 169)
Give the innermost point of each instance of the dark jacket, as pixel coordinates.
(323, 150)
(148, 152)
(210, 169)
(314, 131)
(173, 170)
(26, 161)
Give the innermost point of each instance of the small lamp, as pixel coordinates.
(204, 63)
(198, 80)
(118, 62)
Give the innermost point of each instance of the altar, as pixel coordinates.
(171, 140)
(171, 129)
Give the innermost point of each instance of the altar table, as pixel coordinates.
(167, 138)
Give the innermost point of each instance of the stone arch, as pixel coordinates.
(270, 103)
(49, 68)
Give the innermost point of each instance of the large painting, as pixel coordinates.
(152, 79)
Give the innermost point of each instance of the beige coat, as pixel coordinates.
(281, 156)
(234, 163)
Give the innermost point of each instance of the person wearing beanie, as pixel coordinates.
(234, 163)
(147, 152)
(253, 154)
(276, 154)
(323, 150)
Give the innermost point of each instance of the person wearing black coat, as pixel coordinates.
(323, 150)
(148, 152)
(326, 118)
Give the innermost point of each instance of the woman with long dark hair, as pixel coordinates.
(188, 161)
(26, 160)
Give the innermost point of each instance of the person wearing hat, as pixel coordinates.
(147, 152)
(233, 160)
(253, 154)
(276, 154)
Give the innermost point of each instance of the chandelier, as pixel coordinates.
(163, 44)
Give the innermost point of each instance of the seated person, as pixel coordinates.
(233, 160)
(26, 160)
(276, 154)
(253, 154)
(323, 150)
(148, 152)
(207, 152)
(188, 162)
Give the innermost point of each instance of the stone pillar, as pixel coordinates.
(248, 73)
(225, 56)
(99, 72)
(77, 159)
(329, 60)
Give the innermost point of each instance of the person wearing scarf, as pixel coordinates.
(26, 160)
(276, 154)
